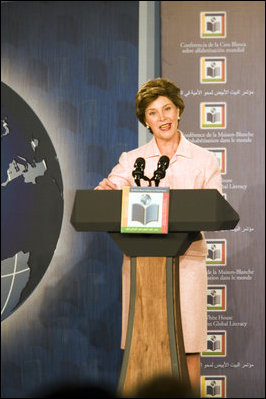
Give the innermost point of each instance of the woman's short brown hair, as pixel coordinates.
(153, 89)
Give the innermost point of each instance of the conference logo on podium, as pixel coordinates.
(213, 115)
(213, 386)
(213, 25)
(221, 156)
(216, 252)
(216, 344)
(213, 70)
(216, 298)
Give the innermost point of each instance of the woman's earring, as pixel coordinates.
(178, 118)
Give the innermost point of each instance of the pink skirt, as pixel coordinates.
(193, 301)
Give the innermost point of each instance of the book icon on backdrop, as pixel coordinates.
(145, 212)
(213, 70)
(216, 298)
(216, 344)
(213, 25)
(213, 116)
(213, 344)
(213, 386)
(213, 298)
(214, 253)
(213, 389)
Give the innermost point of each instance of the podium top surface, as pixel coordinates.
(189, 210)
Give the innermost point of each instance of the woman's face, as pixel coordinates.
(162, 117)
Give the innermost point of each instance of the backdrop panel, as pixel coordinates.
(76, 65)
(214, 51)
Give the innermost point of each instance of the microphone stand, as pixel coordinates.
(138, 178)
(157, 181)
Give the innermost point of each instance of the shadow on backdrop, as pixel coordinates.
(164, 386)
(74, 391)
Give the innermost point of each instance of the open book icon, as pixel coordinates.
(213, 299)
(213, 25)
(214, 253)
(213, 116)
(213, 70)
(213, 344)
(213, 389)
(145, 214)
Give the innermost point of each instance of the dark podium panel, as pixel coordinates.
(154, 343)
(99, 210)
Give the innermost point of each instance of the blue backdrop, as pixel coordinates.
(76, 65)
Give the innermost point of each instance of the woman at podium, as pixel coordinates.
(159, 108)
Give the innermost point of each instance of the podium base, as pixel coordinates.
(154, 343)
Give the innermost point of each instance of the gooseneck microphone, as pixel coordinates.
(159, 173)
(138, 171)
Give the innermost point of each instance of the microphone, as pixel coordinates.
(159, 173)
(138, 172)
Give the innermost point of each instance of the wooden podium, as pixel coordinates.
(154, 343)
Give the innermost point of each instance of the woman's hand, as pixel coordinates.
(106, 184)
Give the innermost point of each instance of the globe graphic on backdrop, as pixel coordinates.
(31, 201)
